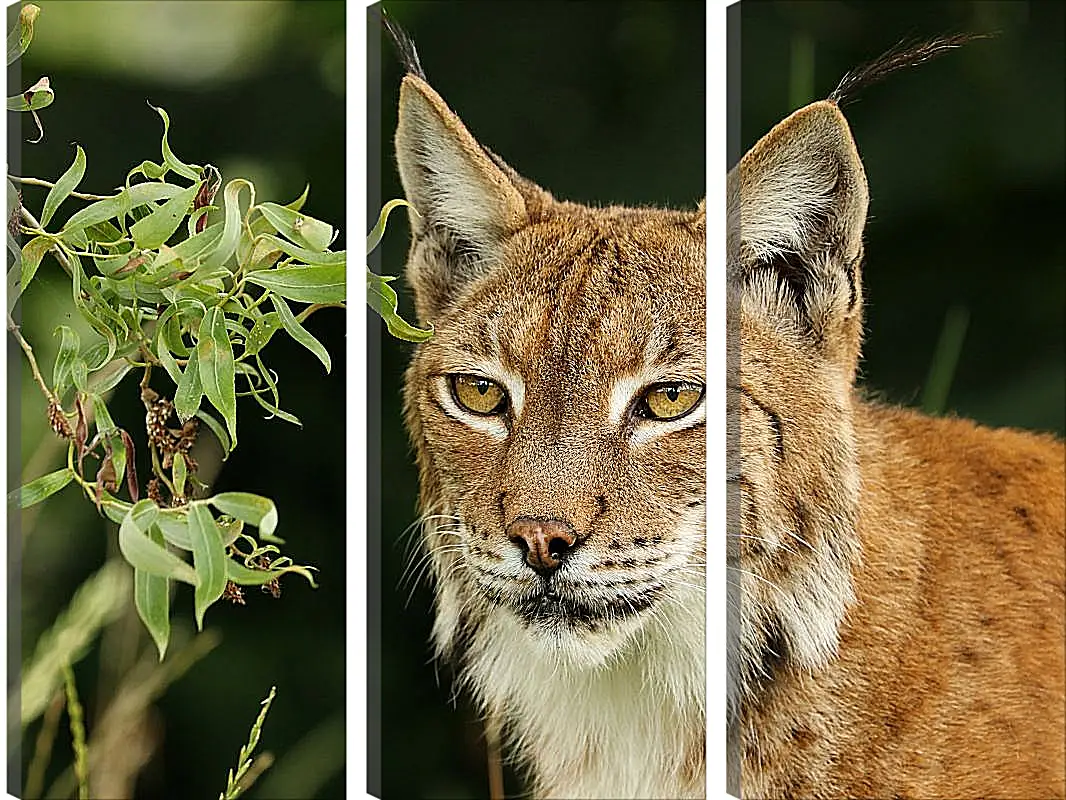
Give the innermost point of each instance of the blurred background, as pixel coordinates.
(964, 271)
(597, 102)
(256, 88)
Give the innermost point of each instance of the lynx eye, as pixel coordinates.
(667, 401)
(478, 395)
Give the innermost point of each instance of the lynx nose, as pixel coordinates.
(545, 541)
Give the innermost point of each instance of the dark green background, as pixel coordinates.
(283, 116)
(604, 102)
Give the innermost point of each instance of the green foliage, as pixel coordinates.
(379, 295)
(187, 295)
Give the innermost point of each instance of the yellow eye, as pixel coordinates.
(478, 395)
(666, 401)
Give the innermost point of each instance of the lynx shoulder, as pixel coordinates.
(558, 420)
(899, 629)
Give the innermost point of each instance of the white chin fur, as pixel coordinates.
(572, 647)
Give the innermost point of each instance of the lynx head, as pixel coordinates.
(797, 206)
(557, 412)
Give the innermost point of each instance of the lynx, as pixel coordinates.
(897, 620)
(558, 420)
(896, 628)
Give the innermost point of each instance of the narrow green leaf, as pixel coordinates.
(79, 373)
(152, 231)
(104, 423)
(251, 508)
(378, 231)
(66, 184)
(32, 253)
(273, 408)
(148, 169)
(189, 251)
(38, 96)
(261, 255)
(20, 36)
(382, 298)
(151, 596)
(165, 356)
(209, 558)
(115, 509)
(324, 259)
(189, 392)
(145, 554)
(175, 528)
(94, 356)
(245, 576)
(231, 226)
(315, 284)
(69, 346)
(261, 333)
(174, 524)
(298, 203)
(78, 282)
(192, 172)
(40, 488)
(218, 430)
(111, 379)
(180, 472)
(120, 205)
(214, 360)
(298, 332)
(180, 313)
(118, 454)
(300, 228)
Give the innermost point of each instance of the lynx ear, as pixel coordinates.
(465, 203)
(797, 208)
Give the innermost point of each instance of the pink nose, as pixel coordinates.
(545, 541)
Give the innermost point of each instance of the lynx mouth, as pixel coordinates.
(551, 606)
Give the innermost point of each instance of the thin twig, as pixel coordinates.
(495, 763)
(11, 326)
(61, 257)
(39, 182)
(311, 309)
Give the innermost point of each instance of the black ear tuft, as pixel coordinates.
(405, 47)
(907, 53)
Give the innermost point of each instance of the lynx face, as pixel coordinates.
(560, 422)
(558, 409)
